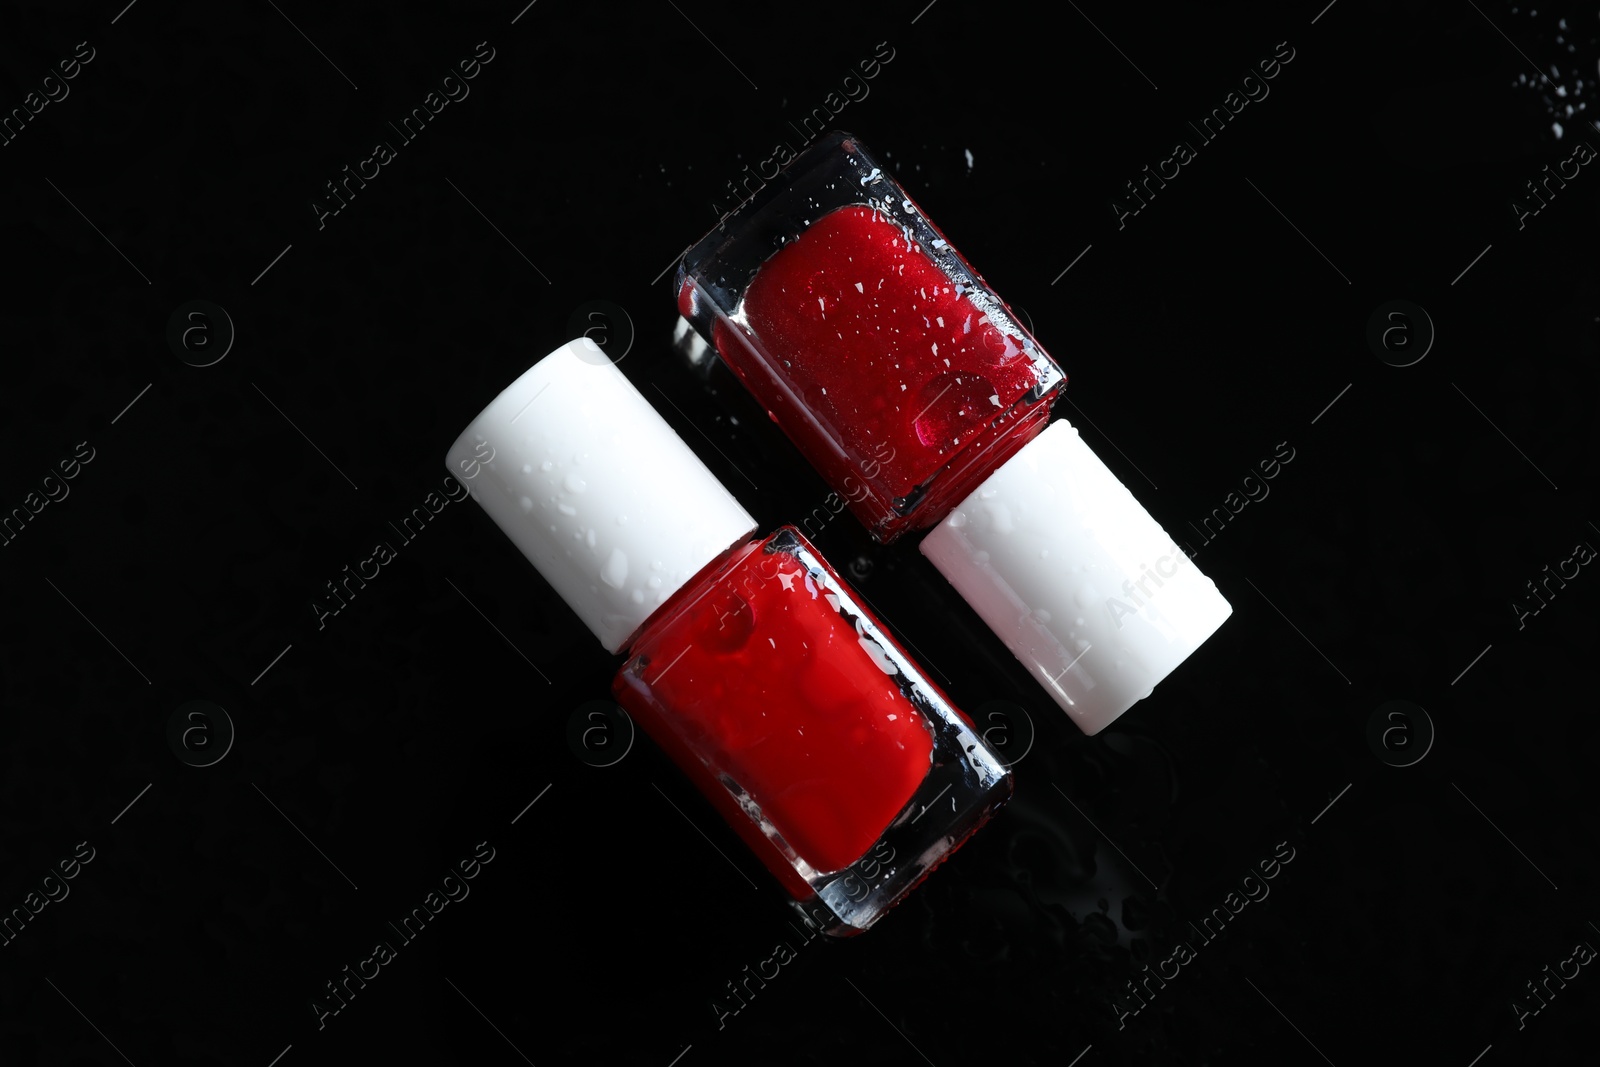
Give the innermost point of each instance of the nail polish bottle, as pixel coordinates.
(909, 385)
(748, 659)
(870, 341)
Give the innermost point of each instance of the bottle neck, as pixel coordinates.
(701, 585)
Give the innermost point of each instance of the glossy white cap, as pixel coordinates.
(1084, 587)
(594, 487)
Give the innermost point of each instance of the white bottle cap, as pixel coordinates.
(1084, 587)
(594, 487)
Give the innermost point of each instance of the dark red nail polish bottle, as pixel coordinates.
(870, 341)
(909, 385)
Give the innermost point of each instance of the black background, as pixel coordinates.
(426, 715)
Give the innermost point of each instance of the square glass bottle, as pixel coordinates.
(750, 661)
(871, 341)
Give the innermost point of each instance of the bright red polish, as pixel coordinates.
(874, 346)
(759, 674)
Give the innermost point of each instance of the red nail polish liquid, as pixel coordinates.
(871, 342)
(839, 763)
(782, 696)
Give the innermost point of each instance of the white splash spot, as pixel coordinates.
(878, 656)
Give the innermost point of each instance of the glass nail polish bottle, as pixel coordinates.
(749, 660)
(912, 389)
(870, 341)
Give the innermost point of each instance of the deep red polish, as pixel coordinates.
(749, 660)
(870, 341)
(910, 386)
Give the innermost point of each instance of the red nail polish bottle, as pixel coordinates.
(750, 661)
(875, 346)
(909, 385)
